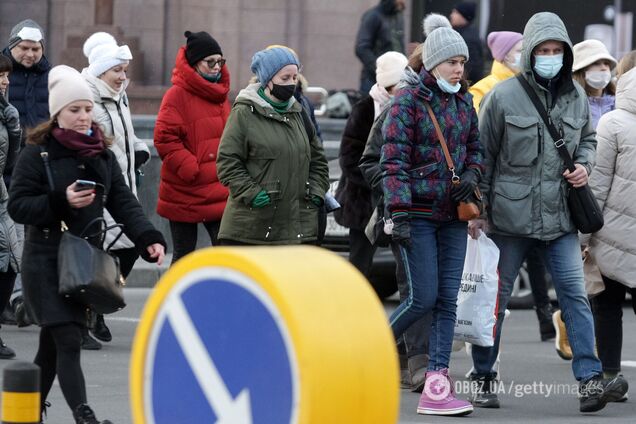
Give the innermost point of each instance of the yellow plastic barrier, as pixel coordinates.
(264, 335)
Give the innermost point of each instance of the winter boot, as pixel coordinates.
(100, 331)
(417, 365)
(438, 396)
(561, 342)
(546, 327)
(5, 351)
(83, 414)
(89, 343)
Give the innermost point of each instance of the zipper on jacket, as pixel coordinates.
(123, 124)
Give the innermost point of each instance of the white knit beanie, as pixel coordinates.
(103, 53)
(66, 85)
(389, 68)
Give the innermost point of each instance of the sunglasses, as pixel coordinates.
(212, 62)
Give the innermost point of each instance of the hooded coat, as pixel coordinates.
(112, 113)
(10, 248)
(265, 150)
(613, 183)
(381, 30)
(523, 187)
(187, 134)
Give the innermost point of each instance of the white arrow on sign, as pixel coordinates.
(228, 410)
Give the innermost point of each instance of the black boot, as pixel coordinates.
(100, 331)
(83, 414)
(89, 343)
(5, 351)
(484, 393)
(546, 327)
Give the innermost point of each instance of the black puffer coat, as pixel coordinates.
(32, 203)
(354, 193)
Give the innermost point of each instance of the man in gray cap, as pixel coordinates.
(28, 92)
(525, 189)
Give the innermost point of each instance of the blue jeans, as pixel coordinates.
(563, 259)
(434, 263)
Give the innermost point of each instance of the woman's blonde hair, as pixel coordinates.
(626, 63)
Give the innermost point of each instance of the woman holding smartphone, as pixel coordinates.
(76, 150)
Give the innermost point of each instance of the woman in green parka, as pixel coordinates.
(271, 160)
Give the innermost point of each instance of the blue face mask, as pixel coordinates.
(548, 66)
(446, 86)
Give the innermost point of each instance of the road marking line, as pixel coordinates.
(631, 364)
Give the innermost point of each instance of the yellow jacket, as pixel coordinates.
(498, 73)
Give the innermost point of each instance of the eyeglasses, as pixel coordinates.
(213, 62)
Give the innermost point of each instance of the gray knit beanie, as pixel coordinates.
(267, 63)
(442, 44)
(29, 30)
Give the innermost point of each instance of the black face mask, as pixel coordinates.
(283, 92)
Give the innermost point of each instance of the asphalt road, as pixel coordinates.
(529, 369)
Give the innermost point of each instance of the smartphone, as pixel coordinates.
(81, 185)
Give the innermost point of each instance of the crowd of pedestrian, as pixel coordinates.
(447, 131)
(432, 133)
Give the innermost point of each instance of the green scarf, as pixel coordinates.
(280, 107)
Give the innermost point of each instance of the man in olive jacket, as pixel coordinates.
(525, 188)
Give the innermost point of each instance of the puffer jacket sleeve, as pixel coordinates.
(233, 154)
(474, 149)
(169, 136)
(491, 129)
(318, 167)
(370, 161)
(398, 130)
(30, 200)
(586, 151)
(125, 209)
(607, 149)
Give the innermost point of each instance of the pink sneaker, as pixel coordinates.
(438, 396)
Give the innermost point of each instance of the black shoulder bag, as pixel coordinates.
(87, 274)
(584, 209)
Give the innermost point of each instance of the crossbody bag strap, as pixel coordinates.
(442, 142)
(47, 166)
(559, 143)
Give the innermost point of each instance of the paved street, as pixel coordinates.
(530, 367)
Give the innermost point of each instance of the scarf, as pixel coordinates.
(85, 145)
(381, 99)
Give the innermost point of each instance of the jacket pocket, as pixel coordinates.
(523, 139)
(571, 130)
(511, 208)
(422, 171)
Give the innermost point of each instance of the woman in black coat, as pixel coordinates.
(76, 150)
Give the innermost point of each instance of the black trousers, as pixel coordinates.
(7, 279)
(184, 236)
(59, 354)
(536, 274)
(607, 307)
(361, 251)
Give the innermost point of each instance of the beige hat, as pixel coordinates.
(66, 85)
(389, 68)
(589, 51)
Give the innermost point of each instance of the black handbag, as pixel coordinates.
(584, 209)
(87, 274)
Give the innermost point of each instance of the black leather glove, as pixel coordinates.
(402, 230)
(467, 183)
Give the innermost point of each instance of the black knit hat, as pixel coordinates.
(200, 45)
(467, 9)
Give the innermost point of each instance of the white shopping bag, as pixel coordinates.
(477, 298)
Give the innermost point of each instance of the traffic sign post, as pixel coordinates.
(263, 336)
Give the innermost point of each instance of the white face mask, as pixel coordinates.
(598, 79)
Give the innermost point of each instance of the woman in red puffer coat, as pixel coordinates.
(187, 133)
